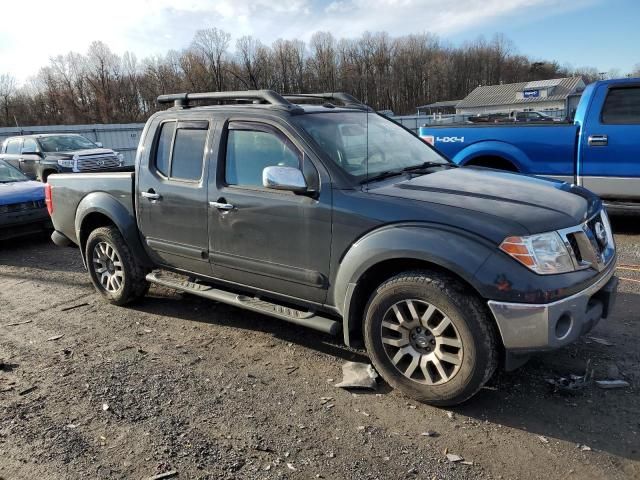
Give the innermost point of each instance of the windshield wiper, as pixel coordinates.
(382, 175)
(428, 165)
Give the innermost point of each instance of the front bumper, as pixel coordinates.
(536, 327)
(22, 223)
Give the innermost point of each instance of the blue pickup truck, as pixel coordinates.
(599, 149)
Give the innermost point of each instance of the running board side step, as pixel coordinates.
(299, 317)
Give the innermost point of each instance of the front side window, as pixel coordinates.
(622, 106)
(29, 145)
(13, 146)
(180, 149)
(250, 151)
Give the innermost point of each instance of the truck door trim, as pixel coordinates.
(303, 276)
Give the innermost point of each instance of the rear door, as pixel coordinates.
(172, 191)
(610, 151)
(273, 240)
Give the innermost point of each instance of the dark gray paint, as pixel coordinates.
(313, 249)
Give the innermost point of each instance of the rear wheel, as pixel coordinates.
(114, 271)
(429, 338)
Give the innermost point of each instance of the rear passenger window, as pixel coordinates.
(249, 152)
(163, 149)
(13, 146)
(188, 152)
(180, 149)
(622, 106)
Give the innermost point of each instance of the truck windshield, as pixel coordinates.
(65, 143)
(9, 174)
(367, 145)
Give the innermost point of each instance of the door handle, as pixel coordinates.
(221, 206)
(598, 140)
(151, 195)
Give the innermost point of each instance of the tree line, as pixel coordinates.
(388, 73)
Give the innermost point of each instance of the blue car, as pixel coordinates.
(22, 205)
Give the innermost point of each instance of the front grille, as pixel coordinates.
(89, 163)
(22, 206)
(571, 237)
(591, 243)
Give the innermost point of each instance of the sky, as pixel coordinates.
(601, 33)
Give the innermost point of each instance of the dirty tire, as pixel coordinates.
(468, 315)
(133, 284)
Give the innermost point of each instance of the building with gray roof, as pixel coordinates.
(541, 95)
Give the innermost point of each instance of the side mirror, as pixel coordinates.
(99, 144)
(284, 178)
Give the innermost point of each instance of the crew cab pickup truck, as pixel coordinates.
(599, 150)
(38, 156)
(336, 218)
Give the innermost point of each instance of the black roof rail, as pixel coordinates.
(182, 100)
(345, 98)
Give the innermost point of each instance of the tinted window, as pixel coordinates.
(163, 149)
(249, 152)
(29, 145)
(13, 146)
(188, 152)
(622, 106)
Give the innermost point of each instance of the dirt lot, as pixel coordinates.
(89, 390)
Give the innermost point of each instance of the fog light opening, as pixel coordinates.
(563, 326)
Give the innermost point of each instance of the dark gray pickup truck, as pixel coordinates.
(316, 210)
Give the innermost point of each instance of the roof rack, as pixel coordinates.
(269, 97)
(182, 100)
(346, 99)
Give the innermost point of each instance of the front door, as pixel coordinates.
(272, 240)
(29, 158)
(172, 193)
(610, 160)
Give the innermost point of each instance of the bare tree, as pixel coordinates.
(212, 44)
(387, 73)
(7, 90)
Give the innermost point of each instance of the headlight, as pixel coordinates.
(66, 163)
(120, 157)
(544, 253)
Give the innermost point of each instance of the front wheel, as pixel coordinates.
(114, 271)
(429, 338)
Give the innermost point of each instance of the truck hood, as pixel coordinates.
(537, 204)
(92, 151)
(18, 192)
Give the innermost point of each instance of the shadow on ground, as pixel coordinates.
(604, 420)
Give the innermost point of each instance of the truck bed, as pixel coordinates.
(540, 149)
(69, 190)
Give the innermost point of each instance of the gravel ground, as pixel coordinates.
(90, 390)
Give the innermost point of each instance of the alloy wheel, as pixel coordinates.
(422, 343)
(108, 267)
